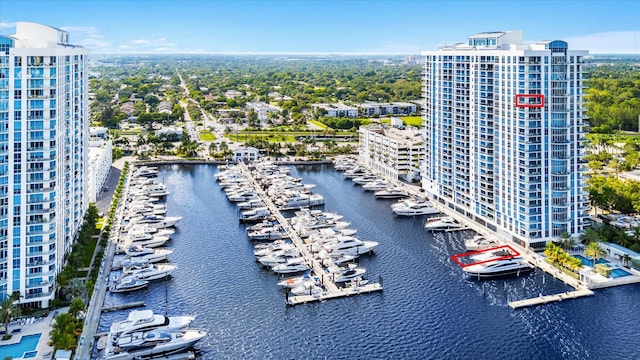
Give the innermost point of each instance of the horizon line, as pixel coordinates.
(295, 53)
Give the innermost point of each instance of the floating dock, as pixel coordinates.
(331, 290)
(124, 306)
(348, 291)
(545, 299)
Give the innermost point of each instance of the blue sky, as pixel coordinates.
(333, 26)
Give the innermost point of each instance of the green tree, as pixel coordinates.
(626, 259)
(566, 242)
(77, 307)
(594, 251)
(9, 309)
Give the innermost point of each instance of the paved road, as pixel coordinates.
(94, 309)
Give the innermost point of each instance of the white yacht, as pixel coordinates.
(127, 284)
(151, 242)
(146, 209)
(442, 224)
(143, 345)
(290, 201)
(250, 204)
(153, 272)
(255, 215)
(308, 288)
(348, 274)
(279, 257)
(144, 320)
(272, 248)
(412, 207)
(156, 221)
(269, 233)
(364, 179)
(243, 196)
(145, 171)
(502, 267)
(141, 254)
(296, 281)
(348, 245)
(355, 172)
(480, 242)
(376, 185)
(152, 230)
(291, 266)
(137, 236)
(392, 192)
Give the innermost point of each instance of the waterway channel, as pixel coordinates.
(427, 309)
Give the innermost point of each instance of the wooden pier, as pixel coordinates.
(331, 290)
(123, 306)
(545, 299)
(302, 299)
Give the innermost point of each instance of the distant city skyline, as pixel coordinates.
(331, 26)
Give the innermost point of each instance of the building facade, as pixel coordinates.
(504, 130)
(43, 157)
(391, 152)
(100, 159)
(336, 110)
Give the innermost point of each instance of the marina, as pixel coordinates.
(330, 289)
(427, 305)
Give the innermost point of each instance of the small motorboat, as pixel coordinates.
(128, 283)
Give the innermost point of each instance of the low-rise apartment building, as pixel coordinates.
(392, 152)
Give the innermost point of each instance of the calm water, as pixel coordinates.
(427, 309)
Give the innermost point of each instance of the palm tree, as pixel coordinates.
(589, 235)
(625, 259)
(76, 307)
(566, 242)
(9, 310)
(76, 288)
(636, 235)
(65, 329)
(594, 251)
(552, 252)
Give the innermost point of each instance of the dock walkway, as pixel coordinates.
(331, 289)
(580, 289)
(545, 299)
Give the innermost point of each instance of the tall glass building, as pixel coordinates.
(504, 127)
(43, 157)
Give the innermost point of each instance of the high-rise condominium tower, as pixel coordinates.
(504, 135)
(43, 157)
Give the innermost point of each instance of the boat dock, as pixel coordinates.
(332, 291)
(302, 299)
(545, 299)
(124, 306)
(580, 289)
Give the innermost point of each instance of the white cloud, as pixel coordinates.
(7, 25)
(614, 42)
(89, 37)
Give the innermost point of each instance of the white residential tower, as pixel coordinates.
(43, 157)
(504, 135)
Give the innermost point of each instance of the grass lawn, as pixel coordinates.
(88, 252)
(243, 137)
(127, 132)
(412, 120)
(317, 123)
(207, 136)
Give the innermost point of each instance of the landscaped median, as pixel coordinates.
(561, 260)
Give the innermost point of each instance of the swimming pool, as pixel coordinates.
(617, 272)
(27, 344)
(589, 262)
